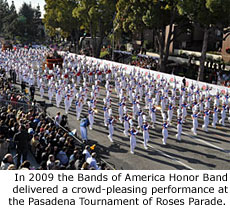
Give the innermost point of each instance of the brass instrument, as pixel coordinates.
(158, 107)
(93, 147)
(95, 110)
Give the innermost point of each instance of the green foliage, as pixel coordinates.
(4, 10)
(10, 22)
(104, 53)
(130, 15)
(96, 18)
(58, 16)
(59, 20)
(208, 13)
(28, 23)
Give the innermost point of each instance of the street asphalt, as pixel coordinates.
(206, 151)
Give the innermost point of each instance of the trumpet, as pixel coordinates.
(93, 147)
(158, 107)
(95, 110)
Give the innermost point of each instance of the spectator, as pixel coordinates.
(25, 165)
(7, 161)
(11, 167)
(184, 81)
(34, 143)
(50, 162)
(62, 157)
(21, 139)
(85, 166)
(86, 152)
(64, 121)
(23, 87)
(92, 161)
(32, 92)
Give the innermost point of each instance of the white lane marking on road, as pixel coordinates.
(170, 157)
(166, 155)
(202, 141)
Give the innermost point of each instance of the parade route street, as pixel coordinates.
(206, 151)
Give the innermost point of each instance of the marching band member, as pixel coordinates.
(42, 90)
(195, 122)
(215, 116)
(50, 93)
(217, 99)
(126, 124)
(206, 120)
(207, 103)
(179, 127)
(225, 98)
(195, 106)
(201, 104)
(120, 110)
(140, 116)
(78, 108)
(170, 113)
(165, 132)
(145, 129)
(223, 114)
(132, 132)
(67, 103)
(91, 117)
(162, 98)
(78, 74)
(111, 122)
(153, 115)
(106, 115)
(135, 108)
(184, 112)
(58, 97)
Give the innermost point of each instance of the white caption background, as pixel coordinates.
(7, 179)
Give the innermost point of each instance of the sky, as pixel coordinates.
(34, 3)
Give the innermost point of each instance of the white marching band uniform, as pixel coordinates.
(133, 88)
(133, 141)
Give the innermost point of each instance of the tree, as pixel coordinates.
(96, 18)
(129, 16)
(58, 15)
(136, 16)
(210, 15)
(28, 23)
(10, 22)
(4, 10)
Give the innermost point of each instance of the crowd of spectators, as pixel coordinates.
(145, 62)
(31, 130)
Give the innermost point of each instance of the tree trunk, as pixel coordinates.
(93, 40)
(203, 56)
(168, 42)
(99, 45)
(77, 39)
(161, 39)
(81, 42)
